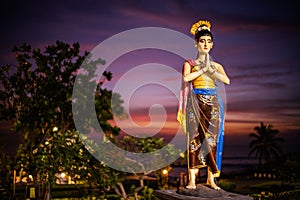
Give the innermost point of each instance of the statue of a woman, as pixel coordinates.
(200, 109)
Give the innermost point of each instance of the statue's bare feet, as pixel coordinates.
(211, 181)
(191, 186)
(214, 186)
(192, 179)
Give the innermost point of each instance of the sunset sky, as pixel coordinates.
(256, 41)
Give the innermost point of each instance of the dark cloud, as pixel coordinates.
(256, 41)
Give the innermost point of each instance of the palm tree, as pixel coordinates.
(265, 143)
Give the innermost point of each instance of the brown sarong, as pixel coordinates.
(202, 129)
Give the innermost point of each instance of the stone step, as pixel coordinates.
(200, 193)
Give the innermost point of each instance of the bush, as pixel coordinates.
(227, 185)
(288, 195)
(6, 175)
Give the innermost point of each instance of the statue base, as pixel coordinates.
(200, 193)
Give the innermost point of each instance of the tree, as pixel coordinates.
(265, 143)
(6, 175)
(143, 145)
(36, 95)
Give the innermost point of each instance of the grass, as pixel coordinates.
(241, 183)
(249, 186)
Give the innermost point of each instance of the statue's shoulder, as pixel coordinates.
(191, 62)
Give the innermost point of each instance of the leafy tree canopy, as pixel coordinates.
(265, 143)
(36, 95)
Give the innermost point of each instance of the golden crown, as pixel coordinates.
(200, 25)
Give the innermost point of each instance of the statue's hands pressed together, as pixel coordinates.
(205, 68)
(212, 69)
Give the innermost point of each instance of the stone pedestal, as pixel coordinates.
(200, 193)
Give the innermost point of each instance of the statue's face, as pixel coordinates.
(204, 45)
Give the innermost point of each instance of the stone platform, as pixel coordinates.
(200, 193)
